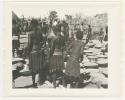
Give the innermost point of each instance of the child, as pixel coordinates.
(72, 71)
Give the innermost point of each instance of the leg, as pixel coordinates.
(33, 78)
(41, 76)
(54, 79)
(64, 81)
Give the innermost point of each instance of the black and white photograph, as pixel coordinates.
(56, 47)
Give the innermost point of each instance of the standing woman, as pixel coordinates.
(56, 57)
(72, 71)
(34, 47)
(89, 32)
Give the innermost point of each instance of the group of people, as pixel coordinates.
(48, 52)
(50, 46)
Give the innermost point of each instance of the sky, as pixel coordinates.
(43, 10)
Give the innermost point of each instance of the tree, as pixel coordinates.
(69, 19)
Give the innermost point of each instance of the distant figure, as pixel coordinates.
(72, 71)
(89, 32)
(101, 35)
(106, 35)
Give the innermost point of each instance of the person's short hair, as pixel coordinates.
(89, 25)
(79, 34)
(34, 22)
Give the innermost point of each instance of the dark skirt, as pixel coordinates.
(56, 63)
(36, 61)
(72, 68)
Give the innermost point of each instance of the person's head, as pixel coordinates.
(34, 23)
(79, 35)
(89, 26)
(101, 29)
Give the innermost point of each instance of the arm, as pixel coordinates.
(81, 52)
(69, 48)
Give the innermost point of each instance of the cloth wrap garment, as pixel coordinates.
(56, 54)
(73, 64)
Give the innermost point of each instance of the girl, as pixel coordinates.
(56, 57)
(72, 71)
